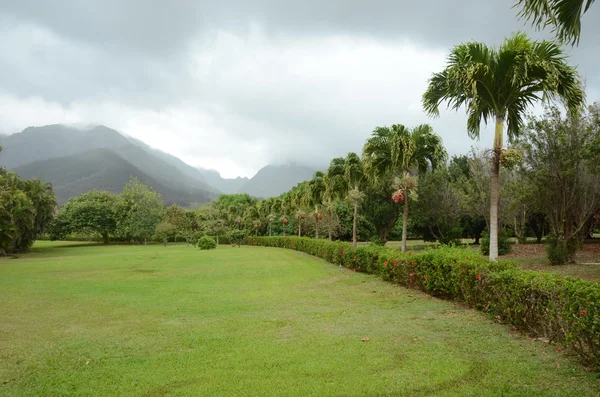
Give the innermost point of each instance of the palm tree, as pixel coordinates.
(500, 84)
(300, 215)
(563, 15)
(335, 187)
(270, 219)
(399, 152)
(316, 190)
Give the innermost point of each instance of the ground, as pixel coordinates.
(153, 321)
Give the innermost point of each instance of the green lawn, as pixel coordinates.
(156, 321)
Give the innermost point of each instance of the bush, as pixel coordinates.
(207, 243)
(376, 241)
(563, 309)
(560, 251)
(504, 244)
(236, 236)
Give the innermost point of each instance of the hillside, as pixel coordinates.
(273, 180)
(101, 169)
(227, 186)
(55, 141)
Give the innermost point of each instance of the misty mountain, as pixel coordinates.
(102, 169)
(227, 186)
(273, 180)
(53, 141)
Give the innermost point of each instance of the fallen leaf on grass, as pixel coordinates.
(5, 381)
(366, 339)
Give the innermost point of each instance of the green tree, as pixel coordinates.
(402, 153)
(93, 212)
(500, 84)
(561, 162)
(26, 209)
(563, 15)
(139, 209)
(316, 192)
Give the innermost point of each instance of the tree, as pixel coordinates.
(316, 192)
(500, 84)
(164, 230)
(300, 215)
(26, 209)
(93, 212)
(139, 209)
(439, 207)
(561, 163)
(563, 15)
(401, 153)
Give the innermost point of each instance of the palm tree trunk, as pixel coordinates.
(495, 190)
(299, 227)
(330, 225)
(354, 240)
(270, 229)
(405, 222)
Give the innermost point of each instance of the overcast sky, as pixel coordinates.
(240, 84)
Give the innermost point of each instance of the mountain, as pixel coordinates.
(102, 169)
(227, 186)
(272, 180)
(56, 141)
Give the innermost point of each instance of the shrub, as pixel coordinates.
(207, 243)
(376, 241)
(563, 309)
(560, 251)
(504, 244)
(236, 236)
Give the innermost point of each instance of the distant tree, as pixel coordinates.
(316, 192)
(164, 230)
(402, 153)
(563, 15)
(500, 84)
(439, 207)
(300, 215)
(139, 210)
(92, 212)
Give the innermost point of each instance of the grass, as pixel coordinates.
(153, 321)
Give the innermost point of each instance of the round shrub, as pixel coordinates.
(207, 243)
(560, 251)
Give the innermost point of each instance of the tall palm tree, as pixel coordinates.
(500, 84)
(316, 191)
(336, 187)
(563, 15)
(401, 152)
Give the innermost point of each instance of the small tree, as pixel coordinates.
(164, 230)
(237, 236)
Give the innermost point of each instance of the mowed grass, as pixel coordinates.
(155, 321)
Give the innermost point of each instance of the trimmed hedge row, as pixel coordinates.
(565, 310)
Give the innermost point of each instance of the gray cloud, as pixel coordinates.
(237, 84)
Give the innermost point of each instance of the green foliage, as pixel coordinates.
(91, 212)
(560, 251)
(504, 244)
(236, 236)
(376, 241)
(26, 210)
(207, 243)
(563, 15)
(139, 209)
(564, 309)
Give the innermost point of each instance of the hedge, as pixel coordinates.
(565, 310)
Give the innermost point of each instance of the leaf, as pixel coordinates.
(366, 339)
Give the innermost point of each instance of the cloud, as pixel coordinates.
(237, 85)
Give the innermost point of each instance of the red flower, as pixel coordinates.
(479, 277)
(412, 274)
(559, 349)
(384, 263)
(426, 278)
(412, 263)
(583, 312)
(394, 261)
